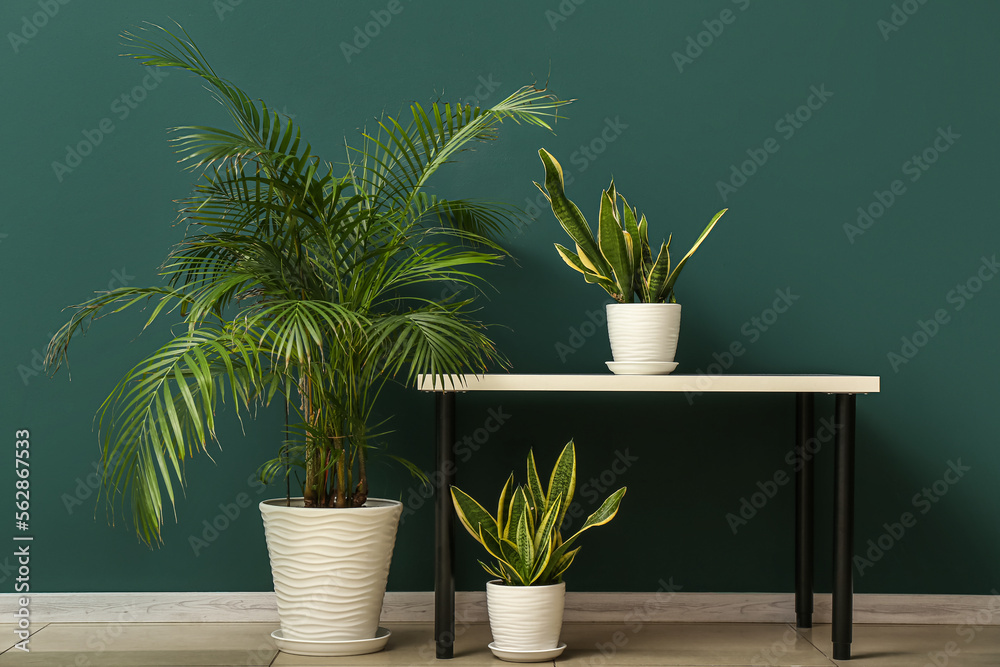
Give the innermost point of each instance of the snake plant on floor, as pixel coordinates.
(620, 258)
(301, 278)
(525, 536)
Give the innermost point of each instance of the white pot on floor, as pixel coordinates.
(525, 618)
(330, 567)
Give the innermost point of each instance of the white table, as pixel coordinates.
(845, 388)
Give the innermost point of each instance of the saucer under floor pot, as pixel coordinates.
(528, 656)
(334, 648)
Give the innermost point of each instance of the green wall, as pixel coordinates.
(669, 130)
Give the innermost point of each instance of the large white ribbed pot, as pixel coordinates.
(525, 618)
(330, 566)
(644, 332)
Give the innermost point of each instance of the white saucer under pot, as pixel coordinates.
(332, 649)
(641, 368)
(542, 655)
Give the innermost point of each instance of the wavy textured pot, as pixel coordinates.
(525, 618)
(330, 566)
(643, 332)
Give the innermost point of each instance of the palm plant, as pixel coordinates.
(298, 278)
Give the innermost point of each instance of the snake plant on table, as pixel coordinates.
(619, 259)
(525, 536)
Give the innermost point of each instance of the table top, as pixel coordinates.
(693, 384)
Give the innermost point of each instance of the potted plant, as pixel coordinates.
(525, 600)
(644, 323)
(306, 280)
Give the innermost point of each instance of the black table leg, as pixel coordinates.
(843, 527)
(444, 528)
(805, 430)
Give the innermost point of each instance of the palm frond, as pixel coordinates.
(271, 138)
(163, 412)
(109, 303)
(398, 161)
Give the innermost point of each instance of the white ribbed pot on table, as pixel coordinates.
(525, 618)
(330, 566)
(643, 332)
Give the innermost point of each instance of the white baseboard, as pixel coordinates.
(471, 608)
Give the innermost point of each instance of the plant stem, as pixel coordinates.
(323, 495)
(341, 473)
(309, 490)
(361, 493)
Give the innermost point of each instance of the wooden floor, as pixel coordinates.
(591, 644)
